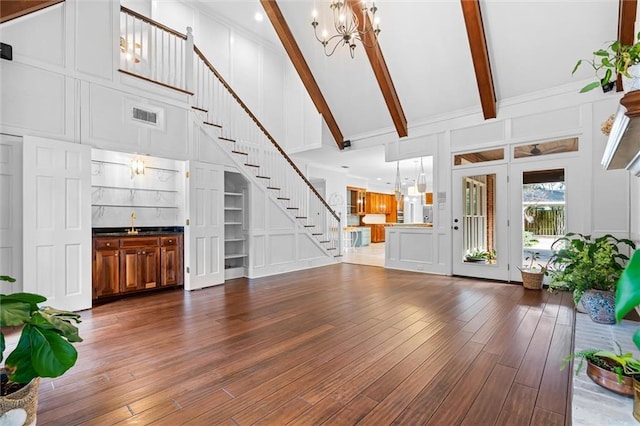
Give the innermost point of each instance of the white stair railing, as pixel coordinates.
(247, 140)
(154, 52)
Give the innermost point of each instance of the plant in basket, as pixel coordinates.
(44, 349)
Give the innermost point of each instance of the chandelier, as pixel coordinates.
(347, 26)
(421, 183)
(397, 188)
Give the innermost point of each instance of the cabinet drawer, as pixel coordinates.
(101, 243)
(169, 241)
(138, 241)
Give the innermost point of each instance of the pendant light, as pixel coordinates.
(421, 183)
(397, 189)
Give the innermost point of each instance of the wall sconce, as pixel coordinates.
(137, 167)
(130, 53)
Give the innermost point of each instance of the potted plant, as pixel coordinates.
(481, 256)
(616, 57)
(590, 268)
(532, 275)
(44, 349)
(628, 298)
(613, 371)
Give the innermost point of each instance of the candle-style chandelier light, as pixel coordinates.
(353, 20)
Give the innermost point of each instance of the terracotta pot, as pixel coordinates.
(600, 305)
(20, 407)
(609, 380)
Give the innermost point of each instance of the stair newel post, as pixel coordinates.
(188, 61)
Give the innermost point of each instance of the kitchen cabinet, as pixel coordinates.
(128, 264)
(170, 260)
(357, 200)
(377, 233)
(140, 261)
(106, 269)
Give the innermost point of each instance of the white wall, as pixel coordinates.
(66, 87)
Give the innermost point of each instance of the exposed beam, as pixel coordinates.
(480, 56)
(11, 9)
(381, 71)
(626, 20)
(300, 64)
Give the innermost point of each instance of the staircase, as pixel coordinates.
(227, 120)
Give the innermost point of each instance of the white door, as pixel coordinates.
(205, 232)
(548, 199)
(11, 211)
(57, 222)
(480, 222)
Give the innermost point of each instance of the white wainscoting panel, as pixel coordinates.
(278, 220)
(94, 38)
(32, 45)
(546, 123)
(107, 127)
(281, 248)
(484, 133)
(257, 259)
(32, 99)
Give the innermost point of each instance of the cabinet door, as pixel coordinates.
(106, 273)
(148, 259)
(170, 265)
(130, 268)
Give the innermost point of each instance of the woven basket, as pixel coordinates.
(532, 280)
(25, 399)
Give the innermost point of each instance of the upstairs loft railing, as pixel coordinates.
(239, 131)
(153, 51)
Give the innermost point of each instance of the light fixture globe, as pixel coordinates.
(421, 183)
(397, 188)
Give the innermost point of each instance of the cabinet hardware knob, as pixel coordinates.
(108, 244)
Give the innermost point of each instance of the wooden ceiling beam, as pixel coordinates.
(300, 64)
(626, 21)
(379, 66)
(11, 9)
(480, 56)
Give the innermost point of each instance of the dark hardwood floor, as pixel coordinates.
(343, 344)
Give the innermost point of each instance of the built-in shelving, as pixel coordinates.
(235, 226)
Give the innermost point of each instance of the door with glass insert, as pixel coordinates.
(480, 222)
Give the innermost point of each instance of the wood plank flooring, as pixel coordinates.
(339, 345)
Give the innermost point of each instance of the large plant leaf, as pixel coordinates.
(628, 291)
(19, 361)
(2, 346)
(51, 354)
(13, 313)
(58, 321)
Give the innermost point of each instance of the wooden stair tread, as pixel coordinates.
(225, 139)
(212, 124)
(239, 152)
(251, 165)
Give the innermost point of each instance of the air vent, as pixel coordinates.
(149, 117)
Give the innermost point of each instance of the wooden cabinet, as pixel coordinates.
(136, 263)
(377, 233)
(106, 269)
(170, 260)
(357, 200)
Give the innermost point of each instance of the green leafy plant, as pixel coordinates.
(45, 346)
(614, 58)
(533, 257)
(628, 292)
(623, 364)
(528, 239)
(580, 263)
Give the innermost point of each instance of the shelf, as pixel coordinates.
(134, 189)
(233, 194)
(233, 223)
(234, 256)
(135, 206)
(233, 240)
(233, 208)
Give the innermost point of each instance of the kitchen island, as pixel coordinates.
(411, 247)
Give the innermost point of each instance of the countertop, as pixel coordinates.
(142, 232)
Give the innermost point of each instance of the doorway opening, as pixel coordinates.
(543, 212)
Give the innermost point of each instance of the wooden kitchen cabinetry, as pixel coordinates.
(377, 233)
(135, 263)
(357, 200)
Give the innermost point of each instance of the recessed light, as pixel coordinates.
(258, 17)
(379, 179)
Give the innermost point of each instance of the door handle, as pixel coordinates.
(455, 227)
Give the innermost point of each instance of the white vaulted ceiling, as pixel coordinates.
(533, 46)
